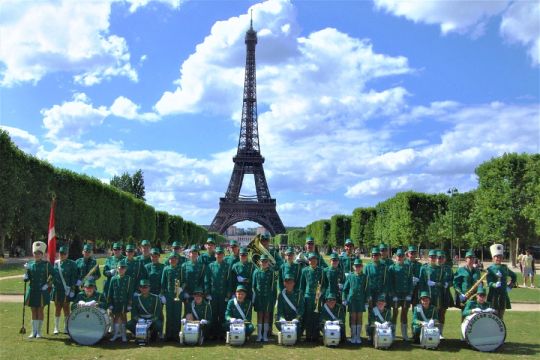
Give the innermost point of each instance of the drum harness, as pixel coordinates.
(66, 288)
(420, 309)
(288, 301)
(242, 314)
(195, 311)
(334, 318)
(148, 315)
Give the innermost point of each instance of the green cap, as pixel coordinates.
(309, 239)
(63, 250)
(383, 246)
(87, 247)
(381, 297)
(469, 253)
(122, 263)
(194, 248)
(173, 255)
(89, 282)
(441, 254)
(116, 246)
(198, 291)
(289, 250)
(144, 282)
(424, 294)
(288, 276)
(130, 247)
(348, 242)
(432, 253)
(241, 288)
(176, 244)
(154, 251)
(312, 255)
(481, 290)
(330, 296)
(411, 248)
(264, 257)
(210, 240)
(233, 243)
(265, 237)
(145, 242)
(357, 261)
(243, 250)
(334, 256)
(375, 250)
(219, 250)
(399, 252)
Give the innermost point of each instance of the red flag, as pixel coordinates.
(51, 241)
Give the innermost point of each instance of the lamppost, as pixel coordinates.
(452, 191)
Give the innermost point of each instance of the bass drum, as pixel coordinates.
(484, 331)
(88, 325)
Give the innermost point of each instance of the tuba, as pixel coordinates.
(257, 250)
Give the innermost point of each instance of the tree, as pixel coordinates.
(362, 226)
(340, 229)
(131, 184)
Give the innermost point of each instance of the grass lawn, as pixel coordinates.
(522, 340)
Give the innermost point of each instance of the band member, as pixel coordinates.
(193, 275)
(264, 294)
(290, 267)
(310, 284)
(235, 256)
(500, 281)
(290, 304)
(377, 278)
(385, 255)
(65, 275)
(465, 277)
(424, 314)
(401, 287)
(347, 262)
(147, 306)
(242, 272)
(220, 286)
(145, 256)
(210, 255)
(332, 279)
(154, 271)
(170, 289)
(111, 265)
(177, 249)
(85, 265)
(119, 298)
(332, 311)
(310, 249)
(39, 275)
(355, 297)
(135, 268)
(239, 310)
(89, 297)
(432, 279)
(446, 296)
(378, 316)
(479, 305)
(265, 241)
(414, 272)
(199, 310)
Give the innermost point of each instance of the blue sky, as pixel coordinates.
(357, 100)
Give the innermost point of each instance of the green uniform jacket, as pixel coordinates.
(310, 280)
(145, 260)
(168, 278)
(206, 258)
(232, 312)
(472, 304)
(293, 269)
(338, 311)
(431, 313)
(279, 260)
(220, 280)
(386, 315)
(154, 273)
(193, 276)
(346, 263)
(152, 304)
(85, 265)
(499, 296)
(120, 293)
(355, 291)
(377, 279)
(70, 274)
(464, 279)
(285, 311)
(448, 279)
(401, 284)
(331, 278)
(136, 270)
(388, 262)
(433, 273)
(111, 263)
(38, 274)
(98, 297)
(264, 290)
(246, 271)
(204, 311)
(231, 260)
(181, 260)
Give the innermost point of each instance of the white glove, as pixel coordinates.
(508, 289)
(498, 284)
(476, 310)
(408, 298)
(129, 308)
(91, 303)
(395, 299)
(186, 296)
(431, 283)
(239, 321)
(113, 271)
(340, 286)
(71, 294)
(369, 298)
(498, 273)
(377, 324)
(110, 307)
(232, 320)
(45, 287)
(446, 285)
(25, 277)
(163, 300)
(367, 307)
(81, 303)
(209, 297)
(66, 289)
(347, 274)
(415, 280)
(295, 321)
(90, 277)
(345, 302)
(204, 321)
(489, 310)
(240, 278)
(431, 323)
(282, 320)
(183, 321)
(25, 265)
(385, 325)
(78, 283)
(462, 297)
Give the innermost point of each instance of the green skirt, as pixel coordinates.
(36, 297)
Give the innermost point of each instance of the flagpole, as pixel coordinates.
(51, 250)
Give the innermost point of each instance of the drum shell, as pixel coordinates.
(332, 335)
(484, 331)
(191, 333)
(382, 338)
(430, 337)
(88, 325)
(237, 334)
(288, 334)
(142, 331)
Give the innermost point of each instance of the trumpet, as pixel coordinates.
(257, 250)
(177, 290)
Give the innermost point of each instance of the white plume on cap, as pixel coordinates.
(496, 249)
(39, 246)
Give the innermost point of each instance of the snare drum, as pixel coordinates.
(142, 331)
(287, 335)
(430, 337)
(332, 334)
(236, 334)
(191, 333)
(484, 331)
(382, 338)
(88, 325)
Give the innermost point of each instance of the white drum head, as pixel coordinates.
(87, 325)
(484, 331)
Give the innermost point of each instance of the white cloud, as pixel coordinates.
(521, 24)
(127, 109)
(22, 138)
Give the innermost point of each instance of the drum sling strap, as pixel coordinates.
(194, 311)
(143, 308)
(378, 314)
(242, 314)
(291, 305)
(61, 275)
(329, 312)
(420, 309)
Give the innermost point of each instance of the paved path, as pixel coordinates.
(10, 277)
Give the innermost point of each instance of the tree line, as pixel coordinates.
(504, 208)
(86, 210)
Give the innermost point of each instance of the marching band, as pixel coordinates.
(212, 296)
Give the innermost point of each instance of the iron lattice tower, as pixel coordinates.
(234, 207)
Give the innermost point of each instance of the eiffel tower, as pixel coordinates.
(234, 207)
